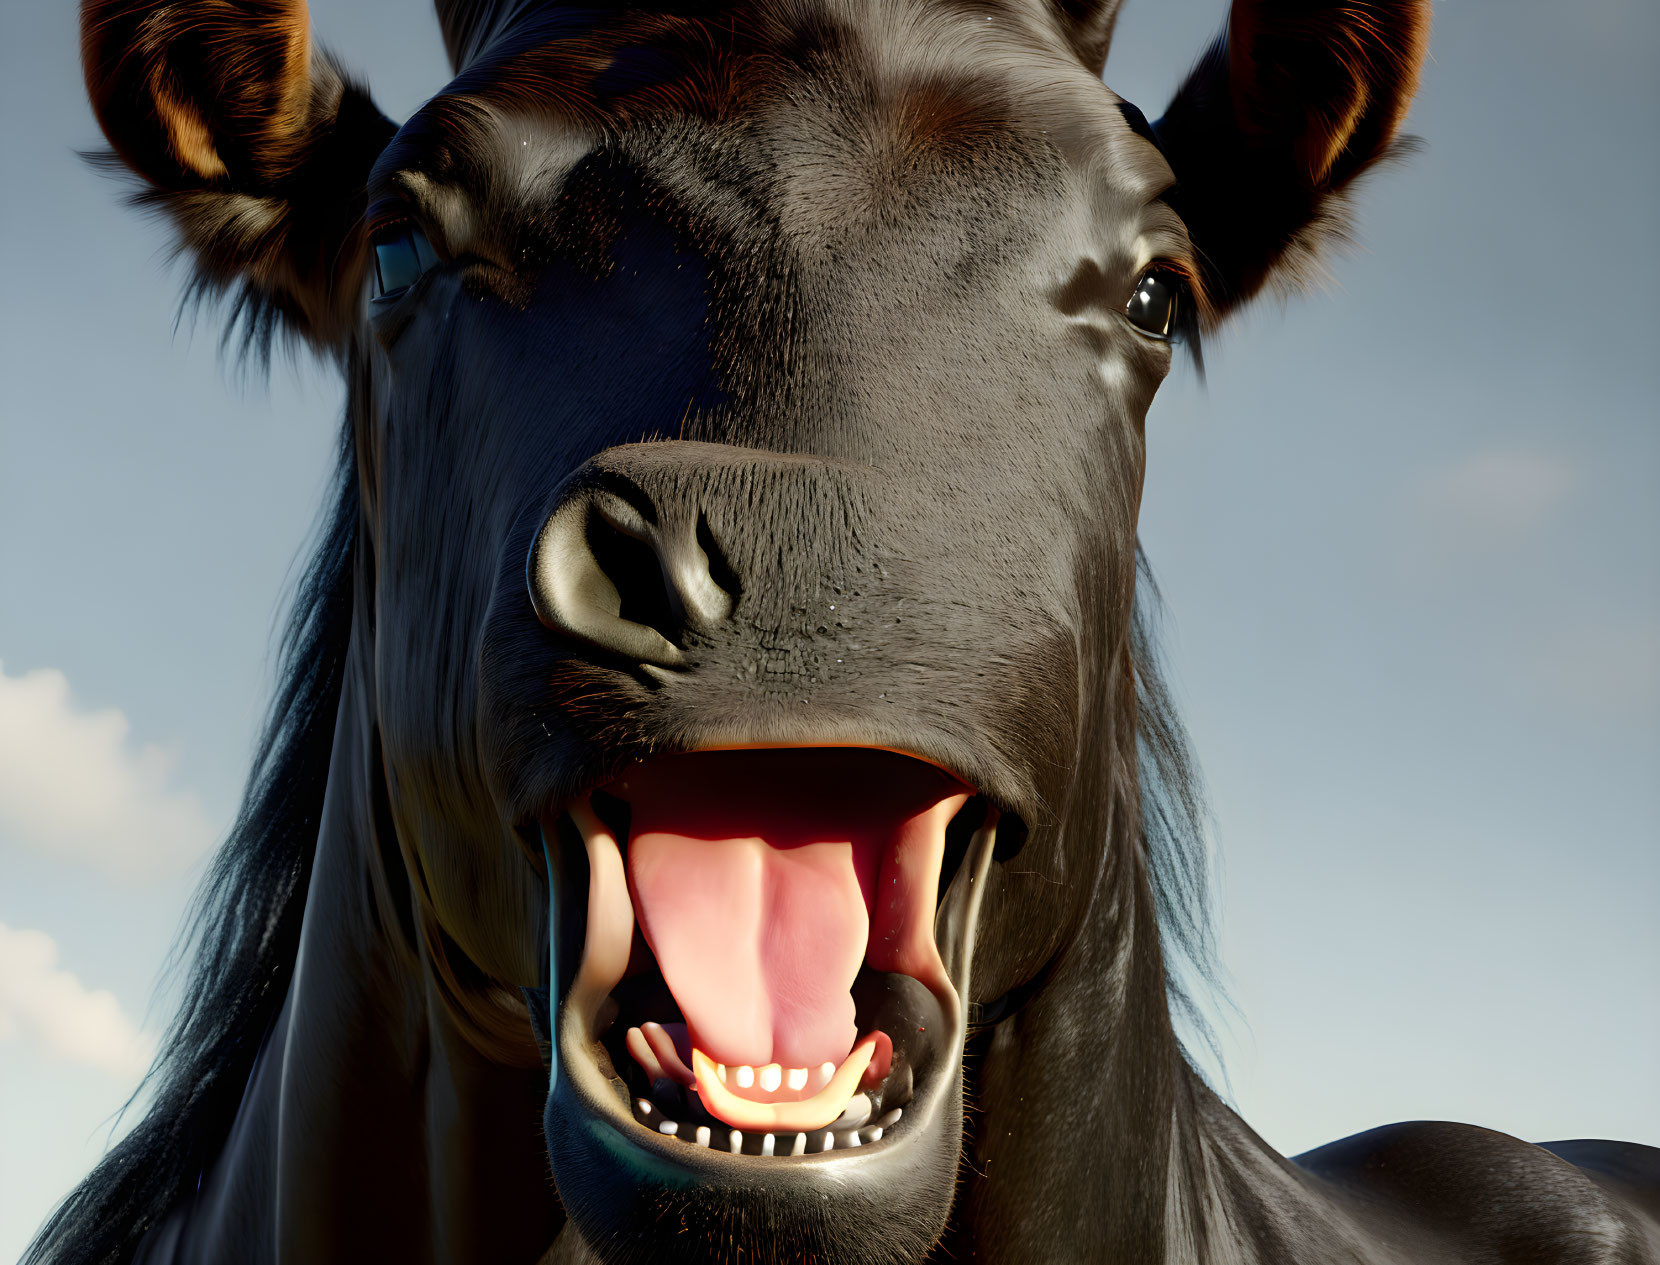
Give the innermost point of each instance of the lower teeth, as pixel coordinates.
(764, 1144)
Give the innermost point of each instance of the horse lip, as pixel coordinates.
(602, 1100)
(543, 796)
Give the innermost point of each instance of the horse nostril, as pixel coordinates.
(603, 572)
(635, 575)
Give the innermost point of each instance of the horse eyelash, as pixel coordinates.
(1188, 325)
(1186, 331)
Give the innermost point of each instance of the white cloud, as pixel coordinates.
(74, 786)
(1491, 501)
(72, 1023)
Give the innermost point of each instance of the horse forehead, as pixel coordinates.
(854, 205)
(626, 65)
(850, 101)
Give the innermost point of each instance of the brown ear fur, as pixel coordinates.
(256, 147)
(1295, 100)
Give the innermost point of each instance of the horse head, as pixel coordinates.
(739, 727)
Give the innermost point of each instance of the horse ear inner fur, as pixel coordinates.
(1273, 126)
(253, 144)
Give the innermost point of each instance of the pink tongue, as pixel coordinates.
(753, 875)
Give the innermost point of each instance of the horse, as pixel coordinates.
(720, 802)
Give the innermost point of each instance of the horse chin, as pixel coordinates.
(646, 1153)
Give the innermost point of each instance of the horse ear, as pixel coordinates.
(1088, 27)
(1291, 104)
(255, 146)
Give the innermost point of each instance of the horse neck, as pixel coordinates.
(1084, 1099)
(371, 1129)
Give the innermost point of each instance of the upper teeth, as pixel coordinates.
(774, 1076)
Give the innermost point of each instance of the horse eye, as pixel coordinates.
(401, 257)
(1156, 303)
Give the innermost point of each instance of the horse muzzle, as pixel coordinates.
(768, 986)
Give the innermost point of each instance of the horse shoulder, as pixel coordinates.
(1495, 1199)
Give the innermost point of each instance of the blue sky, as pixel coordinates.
(1408, 537)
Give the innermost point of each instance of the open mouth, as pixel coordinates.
(775, 950)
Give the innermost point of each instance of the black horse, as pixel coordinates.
(720, 803)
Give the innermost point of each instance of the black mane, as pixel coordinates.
(1174, 820)
(242, 933)
(471, 26)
